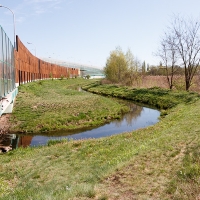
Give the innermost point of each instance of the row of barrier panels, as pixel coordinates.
(29, 68)
(19, 66)
(7, 68)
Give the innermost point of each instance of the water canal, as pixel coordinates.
(137, 117)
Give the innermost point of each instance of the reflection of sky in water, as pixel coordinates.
(144, 117)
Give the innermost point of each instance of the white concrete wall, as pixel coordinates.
(6, 103)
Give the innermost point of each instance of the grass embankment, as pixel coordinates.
(158, 162)
(59, 105)
(160, 98)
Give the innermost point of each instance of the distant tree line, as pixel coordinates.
(161, 71)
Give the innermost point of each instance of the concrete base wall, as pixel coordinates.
(6, 104)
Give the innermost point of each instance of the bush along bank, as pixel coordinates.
(158, 97)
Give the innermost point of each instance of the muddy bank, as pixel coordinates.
(4, 123)
(4, 139)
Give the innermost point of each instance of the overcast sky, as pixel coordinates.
(85, 31)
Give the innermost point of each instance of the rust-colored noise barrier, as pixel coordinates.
(30, 68)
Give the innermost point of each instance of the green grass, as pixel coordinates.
(59, 105)
(161, 98)
(157, 162)
(185, 184)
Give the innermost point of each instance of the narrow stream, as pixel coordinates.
(138, 117)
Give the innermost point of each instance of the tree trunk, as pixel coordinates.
(187, 84)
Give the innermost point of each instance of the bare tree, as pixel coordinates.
(181, 46)
(168, 54)
(188, 46)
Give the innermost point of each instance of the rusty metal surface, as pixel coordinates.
(29, 68)
(19, 66)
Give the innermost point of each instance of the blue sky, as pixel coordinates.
(85, 31)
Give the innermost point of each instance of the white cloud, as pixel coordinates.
(43, 6)
(42, 1)
(39, 10)
(37, 7)
(20, 19)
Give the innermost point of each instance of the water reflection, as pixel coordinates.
(6, 142)
(138, 117)
(13, 141)
(135, 112)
